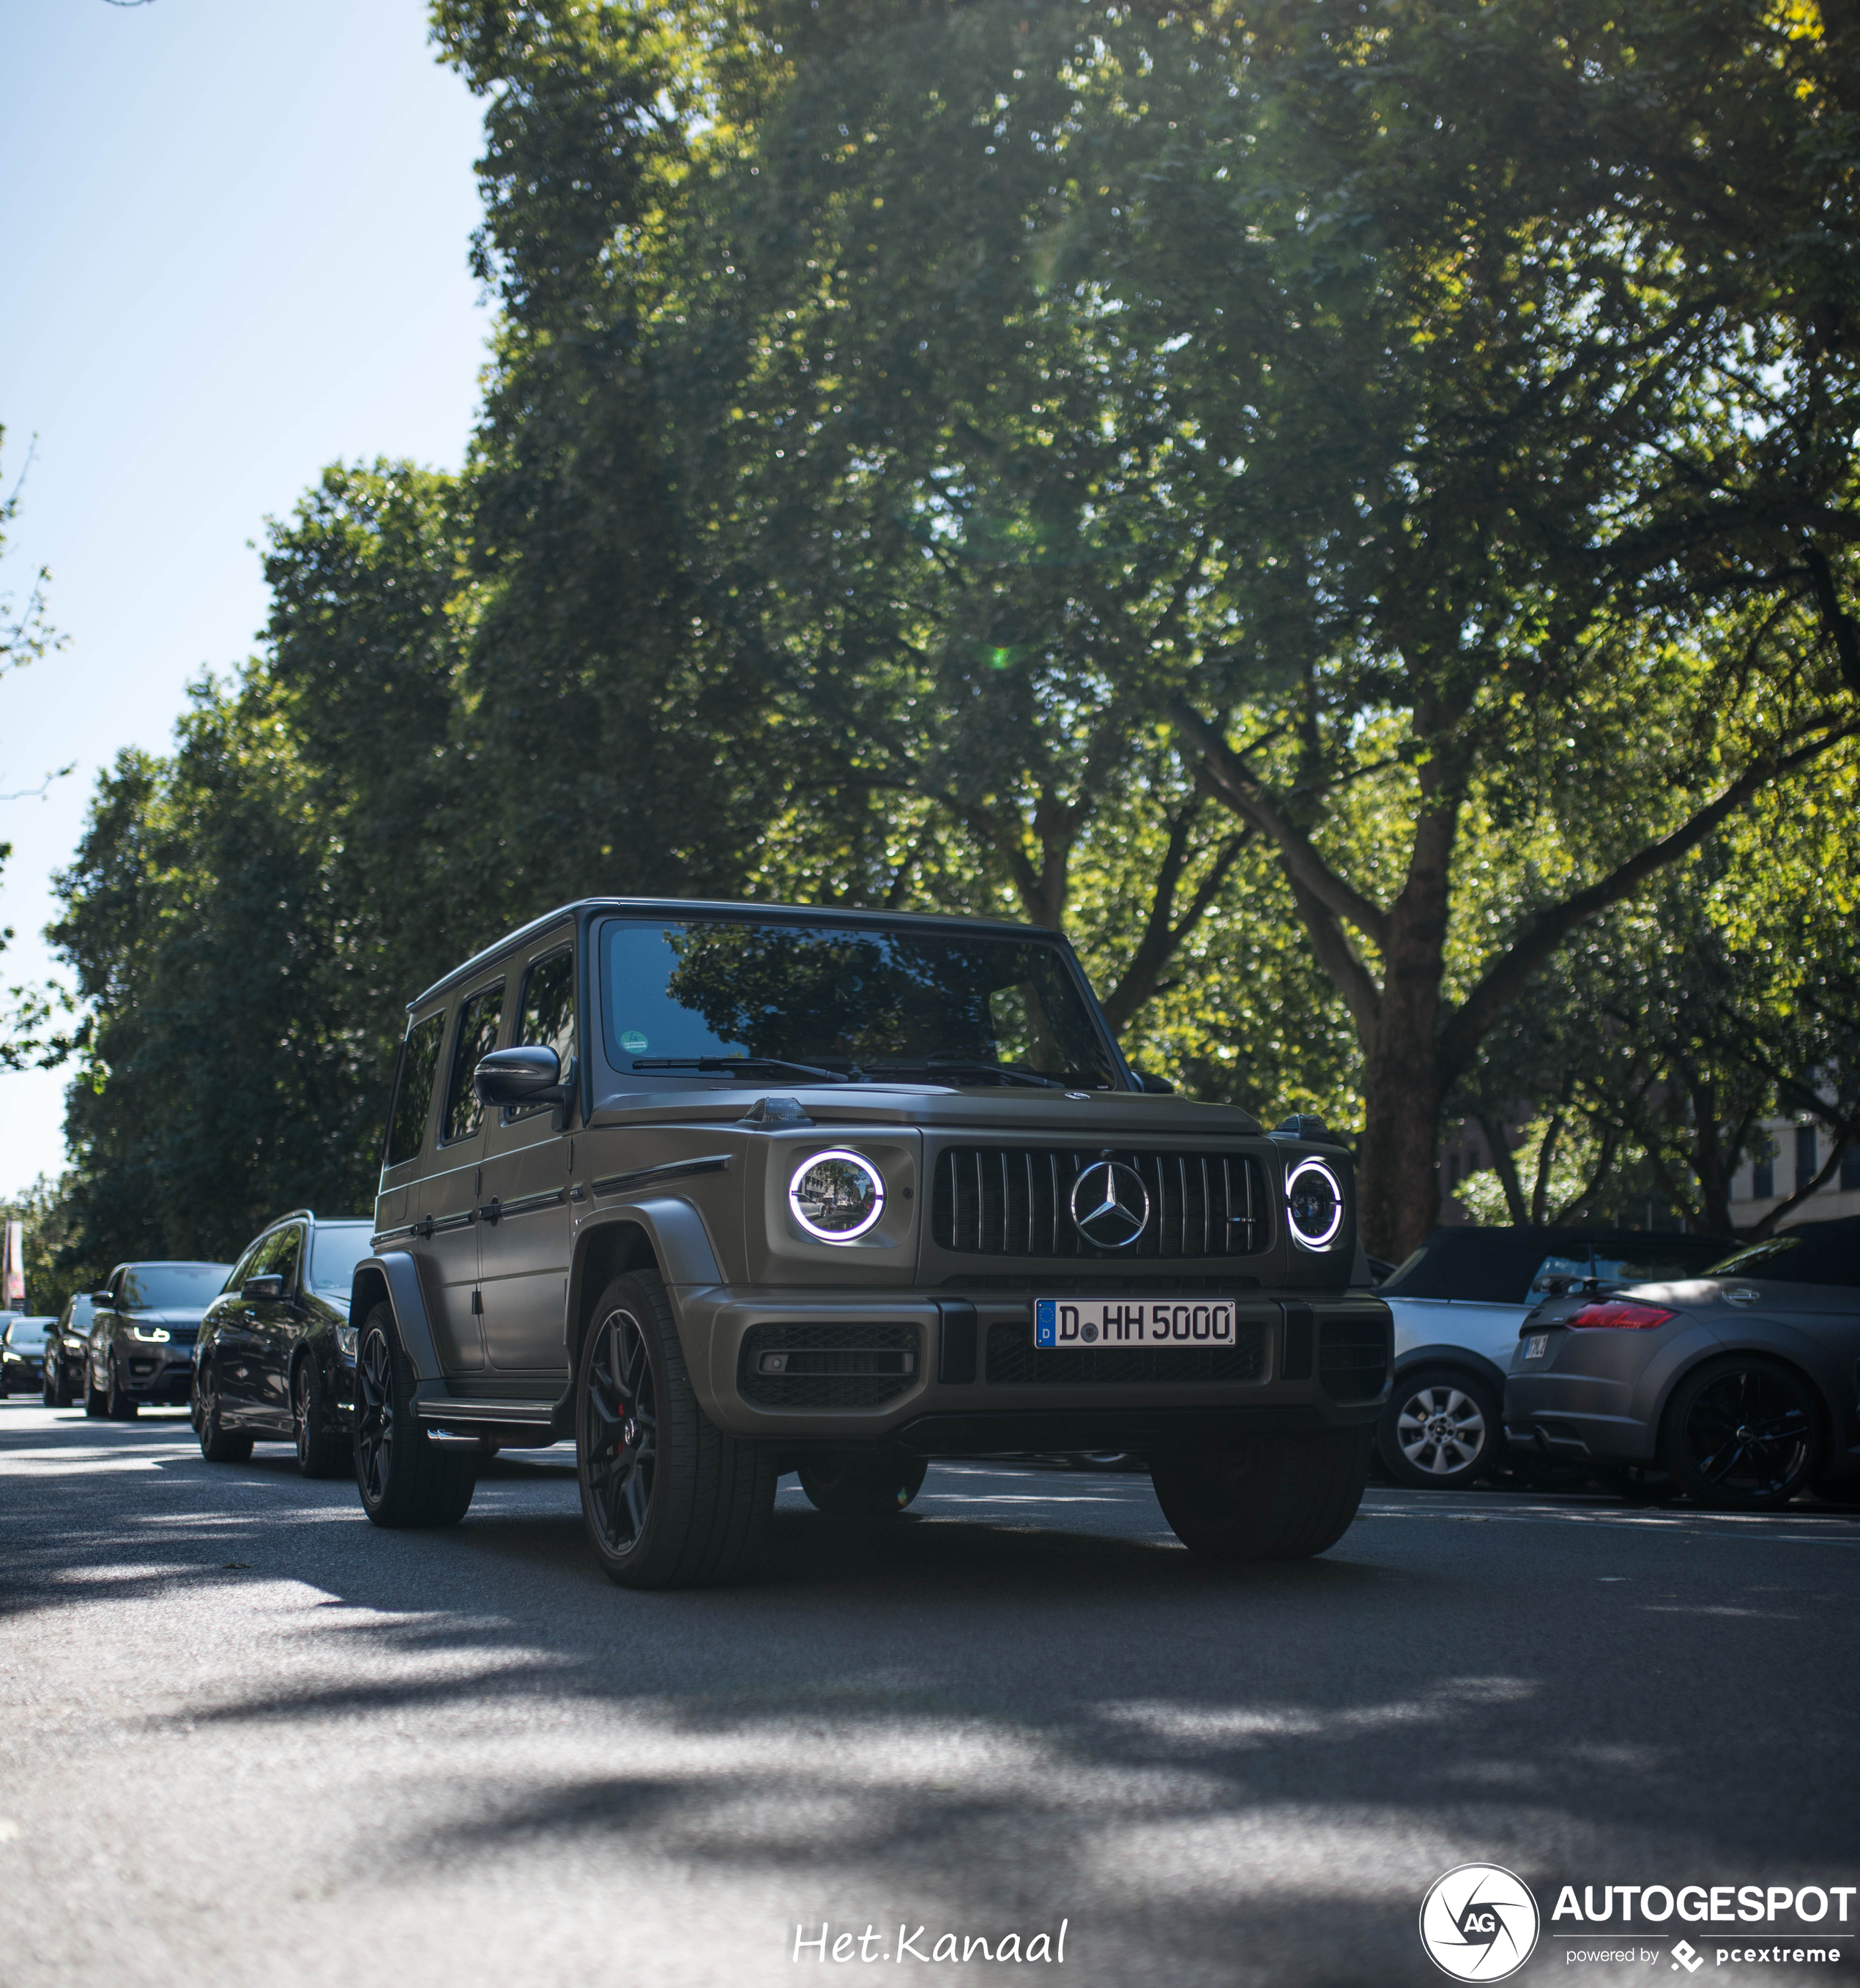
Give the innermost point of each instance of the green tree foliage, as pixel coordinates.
(1345, 507)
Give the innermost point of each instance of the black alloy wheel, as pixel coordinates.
(405, 1477)
(668, 1500)
(95, 1400)
(1744, 1435)
(877, 1484)
(621, 1401)
(218, 1443)
(320, 1453)
(119, 1404)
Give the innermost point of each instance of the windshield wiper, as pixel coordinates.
(1008, 1073)
(707, 1065)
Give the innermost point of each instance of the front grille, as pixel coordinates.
(1013, 1201)
(1015, 1361)
(830, 1366)
(1353, 1356)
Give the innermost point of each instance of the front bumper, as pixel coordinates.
(955, 1373)
(163, 1376)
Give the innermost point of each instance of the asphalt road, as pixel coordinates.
(245, 1737)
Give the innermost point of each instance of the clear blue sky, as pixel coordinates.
(233, 248)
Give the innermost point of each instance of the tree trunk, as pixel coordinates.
(1397, 1180)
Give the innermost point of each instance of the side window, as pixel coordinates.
(281, 1254)
(414, 1097)
(546, 1017)
(479, 1019)
(247, 1265)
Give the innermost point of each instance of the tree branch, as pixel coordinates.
(1546, 929)
(1231, 784)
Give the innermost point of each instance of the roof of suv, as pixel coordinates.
(736, 907)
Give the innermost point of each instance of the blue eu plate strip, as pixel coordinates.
(1044, 1327)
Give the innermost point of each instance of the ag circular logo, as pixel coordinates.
(1478, 1922)
(1111, 1206)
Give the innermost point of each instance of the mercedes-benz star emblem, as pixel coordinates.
(1111, 1206)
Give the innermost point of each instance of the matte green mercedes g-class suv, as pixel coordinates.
(723, 1190)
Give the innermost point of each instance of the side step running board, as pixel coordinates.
(432, 1404)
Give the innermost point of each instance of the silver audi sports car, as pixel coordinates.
(1743, 1384)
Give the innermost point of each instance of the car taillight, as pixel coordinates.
(1622, 1316)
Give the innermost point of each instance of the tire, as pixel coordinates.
(119, 1404)
(870, 1484)
(668, 1500)
(94, 1399)
(218, 1443)
(1744, 1435)
(1442, 1431)
(1282, 1497)
(56, 1390)
(405, 1478)
(320, 1452)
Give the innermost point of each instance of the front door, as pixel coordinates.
(526, 1225)
(273, 1325)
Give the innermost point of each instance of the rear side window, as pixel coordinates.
(479, 1019)
(413, 1100)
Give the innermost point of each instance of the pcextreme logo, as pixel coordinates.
(1478, 1922)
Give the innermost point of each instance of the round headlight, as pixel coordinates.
(837, 1195)
(1313, 1203)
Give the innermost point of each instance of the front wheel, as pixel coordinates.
(1743, 1435)
(55, 1389)
(218, 1443)
(320, 1453)
(405, 1477)
(1440, 1430)
(862, 1485)
(95, 1400)
(668, 1500)
(1284, 1497)
(120, 1404)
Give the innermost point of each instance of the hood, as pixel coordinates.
(165, 1315)
(1092, 1114)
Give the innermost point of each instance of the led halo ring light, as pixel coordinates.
(834, 1193)
(1317, 1166)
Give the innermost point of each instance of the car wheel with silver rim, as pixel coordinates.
(1440, 1430)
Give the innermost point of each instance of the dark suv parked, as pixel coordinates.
(22, 1354)
(67, 1350)
(277, 1354)
(142, 1325)
(725, 1190)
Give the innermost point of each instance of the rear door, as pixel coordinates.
(448, 1196)
(526, 1225)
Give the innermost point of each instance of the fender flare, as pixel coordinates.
(394, 1275)
(1449, 1355)
(674, 1232)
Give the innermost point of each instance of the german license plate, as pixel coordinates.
(1536, 1346)
(1185, 1322)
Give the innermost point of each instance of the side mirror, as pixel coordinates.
(531, 1076)
(269, 1286)
(1161, 1085)
(99, 1297)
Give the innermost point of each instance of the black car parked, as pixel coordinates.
(67, 1346)
(276, 1358)
(22, 1354)
(142, 1329)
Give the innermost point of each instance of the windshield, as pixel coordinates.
(336, 1251)
(28, 1334)
(1817, 1252)
(845, 1001)
(153, 1286)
